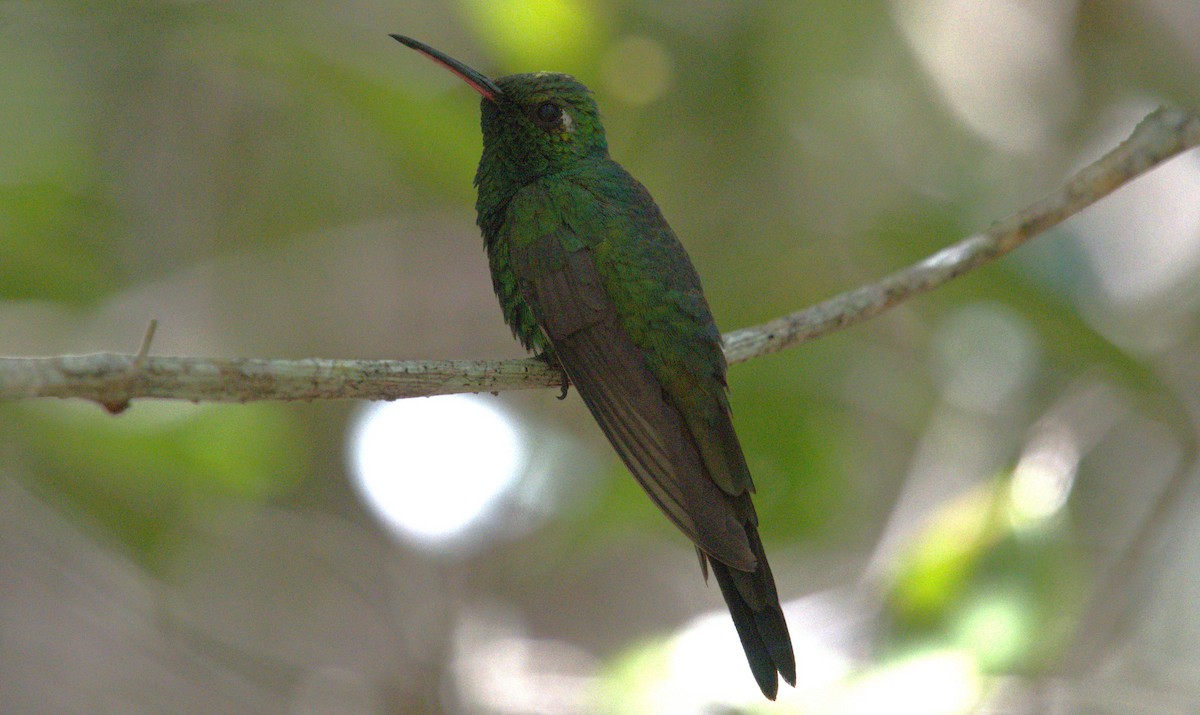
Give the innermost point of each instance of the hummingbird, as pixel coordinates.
(592, 279)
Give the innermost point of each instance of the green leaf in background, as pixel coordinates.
(988, 579)
(48, 246)
(159, 464)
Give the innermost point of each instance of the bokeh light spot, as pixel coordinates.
(986, 354)
(999, 64)
(1043, 478)
(996, 628)
(434, 469)
(940, 682)
(637, 70)
(536, 34)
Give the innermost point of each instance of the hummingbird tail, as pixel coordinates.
(758, 617)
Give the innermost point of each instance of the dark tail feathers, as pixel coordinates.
(754, 605)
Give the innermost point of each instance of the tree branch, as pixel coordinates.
(114, 379)
(1162, 135)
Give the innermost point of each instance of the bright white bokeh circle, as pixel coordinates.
(433, 469)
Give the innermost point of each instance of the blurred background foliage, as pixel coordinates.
(962, 499)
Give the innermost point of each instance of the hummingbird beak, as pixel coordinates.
(478, 82)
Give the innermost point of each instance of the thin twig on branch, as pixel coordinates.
(114, 379)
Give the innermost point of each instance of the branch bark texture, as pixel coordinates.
(114, 379)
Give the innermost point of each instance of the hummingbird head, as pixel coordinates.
(533, 124)
(542, 123)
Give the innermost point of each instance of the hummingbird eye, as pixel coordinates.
(548, 115)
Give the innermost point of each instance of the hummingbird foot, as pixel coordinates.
(547, 356)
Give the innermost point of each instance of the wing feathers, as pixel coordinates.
(609, 371)
(683, 453)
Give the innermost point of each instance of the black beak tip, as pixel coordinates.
(479, 82)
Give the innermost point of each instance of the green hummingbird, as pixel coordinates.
(591, 278)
